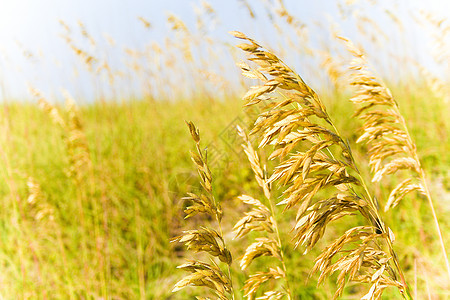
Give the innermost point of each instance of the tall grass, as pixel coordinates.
(139, 151)
(288, 121)
(92, 192)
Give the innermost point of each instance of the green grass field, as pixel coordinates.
(92, 190)
(104, 233)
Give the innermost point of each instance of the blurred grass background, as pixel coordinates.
(88, 209)
(132, 200)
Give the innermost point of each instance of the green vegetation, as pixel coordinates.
(132, 198)
(92, 194)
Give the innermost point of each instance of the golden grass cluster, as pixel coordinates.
(311, 208)
(205, 239)
(390, 146)
(319, 179)
(261, 218)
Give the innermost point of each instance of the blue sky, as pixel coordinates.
(33, 26)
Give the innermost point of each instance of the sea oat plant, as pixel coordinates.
(320, 179)
(261, 218)
(297, 120)
(205, 239)
(81, 170)
(391, 148)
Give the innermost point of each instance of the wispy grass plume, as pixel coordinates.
(390, 145)
(205, 239)
(314, 157)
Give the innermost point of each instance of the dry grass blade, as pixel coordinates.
(206, 275)
(255, 281)
(205, 239)
(391, 147)
(74, 136)
(42, 211)
(258, 219)
(314, 157)
(399, 192)
(48, 108)
(262, 247)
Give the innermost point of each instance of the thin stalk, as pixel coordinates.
(17, 217)
(425, 185)
(415, 278)
(277, 232)
(436, 222)
(65, 264)
(220, 227)
(140, 252)
(228, 266)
